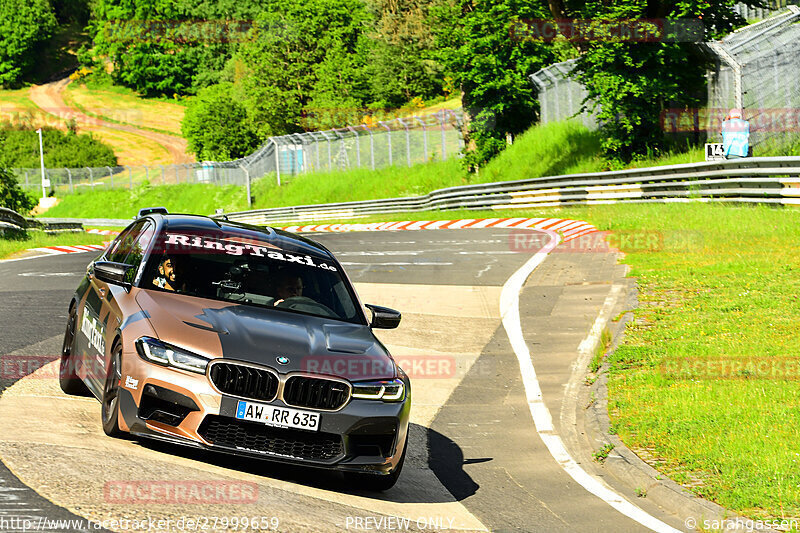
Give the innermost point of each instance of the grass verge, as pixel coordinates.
(34, 239)
(558, 148)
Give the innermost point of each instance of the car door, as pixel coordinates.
(97, 324)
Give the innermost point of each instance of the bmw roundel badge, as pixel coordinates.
(282, 360)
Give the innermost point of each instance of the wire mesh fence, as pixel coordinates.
(561, 96)
(757, 70)
(396, 142)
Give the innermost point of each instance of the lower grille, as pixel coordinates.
(244, 381)
(317, 393)
(231, 433)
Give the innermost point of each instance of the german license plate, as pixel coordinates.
(282, 417)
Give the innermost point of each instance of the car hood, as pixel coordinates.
(260, 335)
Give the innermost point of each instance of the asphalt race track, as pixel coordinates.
(476, 463)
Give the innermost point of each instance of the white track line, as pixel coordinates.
(509, 309)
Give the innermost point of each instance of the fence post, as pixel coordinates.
(111, 175)
(177, 179)
(69, 175)
(358, 145)
(371, 147)
(147, 173)
(440, 117)
(130, 179)
(389, 139)
(163, 178)
(277, 160)
(26, 180)
(247, 185)
(424, 139)
(408, 142)
(91, 177)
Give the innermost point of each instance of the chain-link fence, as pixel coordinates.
(751, 13)
(561, 96)
(399, 141)
(757, 69)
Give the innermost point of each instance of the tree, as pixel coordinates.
(631, 83)
(11, 194)
(164, 47)
(304, 64)
(216, 126)
(402, 62)
(24, 24)
(491, 65)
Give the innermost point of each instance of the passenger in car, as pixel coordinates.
(167, 277)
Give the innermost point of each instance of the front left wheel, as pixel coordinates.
(110, 403)
(67, 375)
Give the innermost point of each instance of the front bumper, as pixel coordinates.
(183, 408)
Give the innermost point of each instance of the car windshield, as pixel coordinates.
(246, 268)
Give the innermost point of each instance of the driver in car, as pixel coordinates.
(289, 285)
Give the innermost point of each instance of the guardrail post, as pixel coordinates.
(69, 174)
(247, 185)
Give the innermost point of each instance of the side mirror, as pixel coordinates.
(383, 317)
(111, 272)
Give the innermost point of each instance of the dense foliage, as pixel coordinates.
(631, 83)
(11, 194)
(24, 25)
(20, 149)
(253, 70)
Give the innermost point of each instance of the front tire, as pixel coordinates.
(67, 375)
(110, 402)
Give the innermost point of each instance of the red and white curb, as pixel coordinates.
(567, 228)
(102, 232)
(73, 249)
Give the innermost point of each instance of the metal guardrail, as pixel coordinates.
(11, 220)
(770, 180)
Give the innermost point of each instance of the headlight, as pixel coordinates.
(161, 353)
(389, 391)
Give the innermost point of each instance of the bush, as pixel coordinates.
(216, 126)
(11, 194)
(20, 149)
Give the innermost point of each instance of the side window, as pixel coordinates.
(138, 249)
(125, 243)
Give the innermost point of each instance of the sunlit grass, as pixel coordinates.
(9, 247)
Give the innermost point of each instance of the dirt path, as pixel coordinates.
(133, 146)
